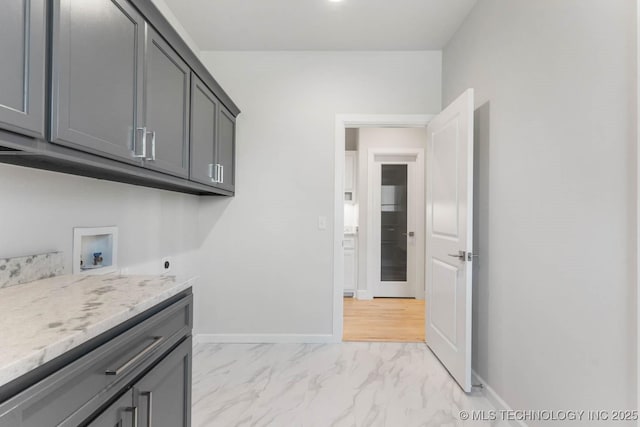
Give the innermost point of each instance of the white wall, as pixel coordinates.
(269, 268)
(554, 304)
(40, 209)
(164, 8)
(376, 138)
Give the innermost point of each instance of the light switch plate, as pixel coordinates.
(322, 223)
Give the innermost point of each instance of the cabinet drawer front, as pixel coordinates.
(75, 392)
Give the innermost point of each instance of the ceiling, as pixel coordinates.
(321, 24)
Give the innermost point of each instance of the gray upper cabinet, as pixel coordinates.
(226, 149)
(167, 105)
(97, 82)
(213, 133)
(108, 89)
(204, 113)
(22, 66)
(163, 396)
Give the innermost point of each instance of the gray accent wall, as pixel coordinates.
(554, 289)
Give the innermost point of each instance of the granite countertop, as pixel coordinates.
(44, 319)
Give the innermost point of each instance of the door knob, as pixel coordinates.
(461, 255)
(410, 234)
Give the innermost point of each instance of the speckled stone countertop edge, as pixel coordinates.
(36, 358)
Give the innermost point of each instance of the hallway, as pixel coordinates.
(384, 319)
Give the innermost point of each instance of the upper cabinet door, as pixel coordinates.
(226, 151)
(97, 93)
(22, 69)
(204, 112)
(166, 107)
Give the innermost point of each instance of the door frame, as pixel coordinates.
(417, 155)
(342, 122)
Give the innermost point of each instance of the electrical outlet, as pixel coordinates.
(167, 264)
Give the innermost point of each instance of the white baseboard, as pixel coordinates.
(264, 338)
(364, 294)
(493, 397)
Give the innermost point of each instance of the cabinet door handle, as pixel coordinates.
(149, 396)
(153, 146)
(135, 154)
(134, 414)
(221, 174)
(214, 173)
(156, 342)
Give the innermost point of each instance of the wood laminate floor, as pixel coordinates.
(384, 319)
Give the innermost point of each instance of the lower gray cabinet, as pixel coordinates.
(163, 396)
(22, 66)
(144, 371)
(120, 413)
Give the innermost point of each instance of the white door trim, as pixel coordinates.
(344, 121)
(417, 156)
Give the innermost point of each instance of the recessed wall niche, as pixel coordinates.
(95, 250)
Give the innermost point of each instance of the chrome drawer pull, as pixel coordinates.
(156, 342)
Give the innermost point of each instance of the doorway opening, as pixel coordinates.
(448, 229)
(383, 242)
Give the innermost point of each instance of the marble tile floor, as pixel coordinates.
(347, 384)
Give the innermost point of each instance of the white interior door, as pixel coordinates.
(449, 237)
(398, 209)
